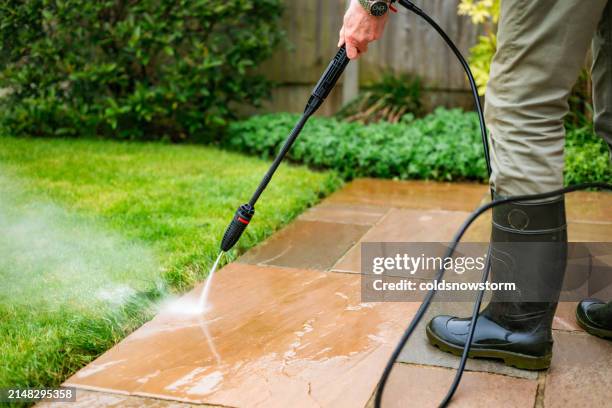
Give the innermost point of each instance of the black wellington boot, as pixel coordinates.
(595, 317)
(529, 248)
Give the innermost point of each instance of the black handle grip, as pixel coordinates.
(328, 80)
(332, 74)
(239, 223)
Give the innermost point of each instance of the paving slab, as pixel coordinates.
(565, 318)
(275, 337)
(345, 213)
(589, 206)
(580, 372)
(412, 194)
(589, 231)
(307, 245)
(418, 386)
(403, 225)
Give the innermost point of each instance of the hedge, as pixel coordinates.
(146, 70)
(444, 146)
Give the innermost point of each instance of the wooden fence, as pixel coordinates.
(408, 46)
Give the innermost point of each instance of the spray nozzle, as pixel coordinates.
(234, 231)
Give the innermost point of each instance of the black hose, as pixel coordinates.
(466, 67)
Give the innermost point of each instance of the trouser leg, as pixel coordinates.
(542, 45)
(602, 76)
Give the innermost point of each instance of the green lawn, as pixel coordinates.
(93, 234)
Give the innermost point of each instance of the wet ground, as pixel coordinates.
(287, 327)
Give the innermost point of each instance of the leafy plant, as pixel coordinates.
(387, 100)
(480, 59)
(444, 145)
(587, 156)
(151, 69)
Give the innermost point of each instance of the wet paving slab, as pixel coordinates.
(589, 206)
(307, 245)
(589, 231)
(273, 337)
(288, 328)
(403, 225)
(565, 318)
(423, 386)
(413, 194)
(345, 213)
(580, 373)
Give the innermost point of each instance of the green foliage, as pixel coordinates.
(587, 157)
(442, 146)
(389, 100)
(152, 69)
(480, 59)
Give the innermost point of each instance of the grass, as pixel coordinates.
(94, 234)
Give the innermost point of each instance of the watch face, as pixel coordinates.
(379, 8)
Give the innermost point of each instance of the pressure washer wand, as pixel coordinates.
(245, 213)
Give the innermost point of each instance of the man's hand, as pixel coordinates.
(360, 29)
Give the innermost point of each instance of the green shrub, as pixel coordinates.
(152, 69)
(444, 146)
(587, 158)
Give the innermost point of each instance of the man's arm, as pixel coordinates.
(360, 28)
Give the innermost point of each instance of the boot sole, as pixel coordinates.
(603, 333)
(522, 361)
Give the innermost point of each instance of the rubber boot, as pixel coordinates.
(529, 248)
(595, 317)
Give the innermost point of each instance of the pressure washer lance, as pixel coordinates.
(245, 213)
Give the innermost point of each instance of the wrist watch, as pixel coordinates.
(377, 8)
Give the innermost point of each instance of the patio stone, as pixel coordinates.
(419, 386)
(589, 232)
(589, 206)
(412, 194)
(480, 230)
(307, 245)
(274, 337)
(565, 318)
(344, 213)
(580, 372)
(401, 225)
